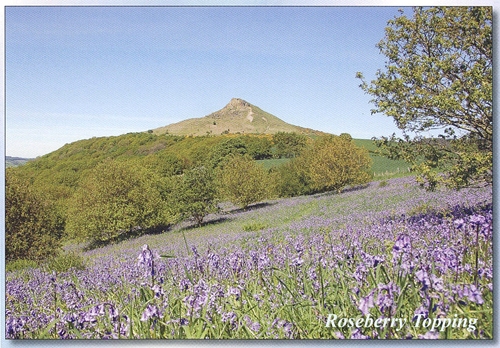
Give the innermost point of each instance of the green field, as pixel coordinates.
(382, 167)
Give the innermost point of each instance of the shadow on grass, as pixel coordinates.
(344, 190)
(192, 224)
(124, 235)
(251, 207)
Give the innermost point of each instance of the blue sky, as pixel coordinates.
(77, 72)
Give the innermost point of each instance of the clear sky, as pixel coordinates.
(77, 72)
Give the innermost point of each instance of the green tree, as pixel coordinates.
(292, 178)
(231, 146)
(195, 194)
(116, 198)
(335, 162)
(243, 181)
(330, 163)
(33, 227)
(438, 76)
(288, 145)
(258, 148)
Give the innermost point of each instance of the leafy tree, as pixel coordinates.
(258, 148)
(164, 163)
(232, 146)
(292, 178)
(335, 162)
(33, 228)
(438, 76)
(243, 181)
(289, 145)
(330, 163)
(116, 198)
(195, 194)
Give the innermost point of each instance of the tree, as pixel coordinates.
(195, 194)
(438, 77)
(289, 145)
(114, 199)
(330, 163)
(243, 181)
(231, 146)
(33, 228)
(292, 178)
(335, 162)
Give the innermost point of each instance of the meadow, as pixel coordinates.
(417, 264)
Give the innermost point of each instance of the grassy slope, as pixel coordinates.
(302, 214)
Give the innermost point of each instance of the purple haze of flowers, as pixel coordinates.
(145, 258)
(385, 298)
(402, 244)
(423, 278)
(365, 303)
(150, 312)
(472, 293)
(431, 335)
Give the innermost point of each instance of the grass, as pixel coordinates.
(277, 271)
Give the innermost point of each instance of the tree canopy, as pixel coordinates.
(33, 227)
(115, 198)
(438, 77)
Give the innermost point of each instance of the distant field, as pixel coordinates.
(15, 161)
(382, 167)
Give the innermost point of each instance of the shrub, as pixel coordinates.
(330, 163)
(253, 226)
(194, 194)
(335, 162)
(243, 181)
(114, 199)
(33, 227)
(20, 264)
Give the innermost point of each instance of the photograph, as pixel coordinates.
(251, 173)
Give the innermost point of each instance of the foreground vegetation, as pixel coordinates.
(280, 270)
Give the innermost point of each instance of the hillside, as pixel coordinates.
(237, 117)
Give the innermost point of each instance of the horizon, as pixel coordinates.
(75, 73)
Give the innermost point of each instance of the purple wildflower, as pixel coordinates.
(430, 335)
(150, 312)
(402, 244)
(365, 303)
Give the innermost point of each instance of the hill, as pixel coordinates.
(237, 117)
(15, 161)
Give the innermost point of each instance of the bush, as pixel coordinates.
(253, 226)
(243, 181)
(20, 264)
(33, 227)
(194, 194)
(292, 178)
(331, 163)
(335, 162)
(116, 198)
